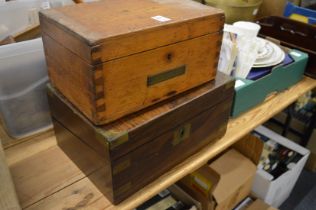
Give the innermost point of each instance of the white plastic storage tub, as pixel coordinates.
(15, 16)
(23, 76)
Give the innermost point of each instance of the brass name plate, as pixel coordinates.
(155, 79)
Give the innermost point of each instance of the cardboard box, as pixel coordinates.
(234, 175)
(178, 193)
(251, 147)
(276, 191)
(200, 185)
(173, 196)
(260, 205)
(311, 162)
(250, 203)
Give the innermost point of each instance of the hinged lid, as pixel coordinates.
(110, 29)
(173, 115)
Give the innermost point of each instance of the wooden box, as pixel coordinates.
(292, 34)
(115, 57)
(140, 147)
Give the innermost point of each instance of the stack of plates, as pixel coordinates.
(269, 54)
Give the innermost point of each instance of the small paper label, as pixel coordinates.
(255, 12)
(239, 83)
(296, 54)
(201, 183)
(161, 18)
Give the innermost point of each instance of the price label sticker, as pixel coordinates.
(255, 12)
(161, 18)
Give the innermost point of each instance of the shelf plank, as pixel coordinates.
(8, 197)
(40, 168)
(47, 179)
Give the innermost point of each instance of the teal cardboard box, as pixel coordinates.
(249, 94)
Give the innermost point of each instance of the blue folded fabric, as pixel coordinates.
(257, 73)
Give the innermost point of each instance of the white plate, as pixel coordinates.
(265, 52)
(273, 57)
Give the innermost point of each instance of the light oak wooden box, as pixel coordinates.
(115, 57)
(137, 149)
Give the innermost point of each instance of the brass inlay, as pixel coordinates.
(155, 79)
(116, 138)
(181, 134)
(124, 188)
(121, 166)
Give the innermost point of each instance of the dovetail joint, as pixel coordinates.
(96, 55)
(98, 95)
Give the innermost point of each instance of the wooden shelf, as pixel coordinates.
(45, 177)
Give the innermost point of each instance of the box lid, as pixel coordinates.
(232, 168)
(132, 131)
(105, 30)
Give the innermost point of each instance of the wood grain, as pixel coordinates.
(25, 157)
(119, 87)
(147, 124)
(150, 134)
(25, 148)
(83, 195)
(8, 196)
(125, 80)
(101, 55)
(118, 28)
(73, 79)
(237, 128)
(30, 32)
(8, 141)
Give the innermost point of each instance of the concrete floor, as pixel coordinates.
(303, 196)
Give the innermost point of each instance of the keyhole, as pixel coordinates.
(169, 56)
(182, 132)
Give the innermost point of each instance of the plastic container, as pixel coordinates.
(23, 77)
(17, 15)
(249, 93)
(236, 10)
(300, 14)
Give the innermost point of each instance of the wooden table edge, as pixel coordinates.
(260, 114)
